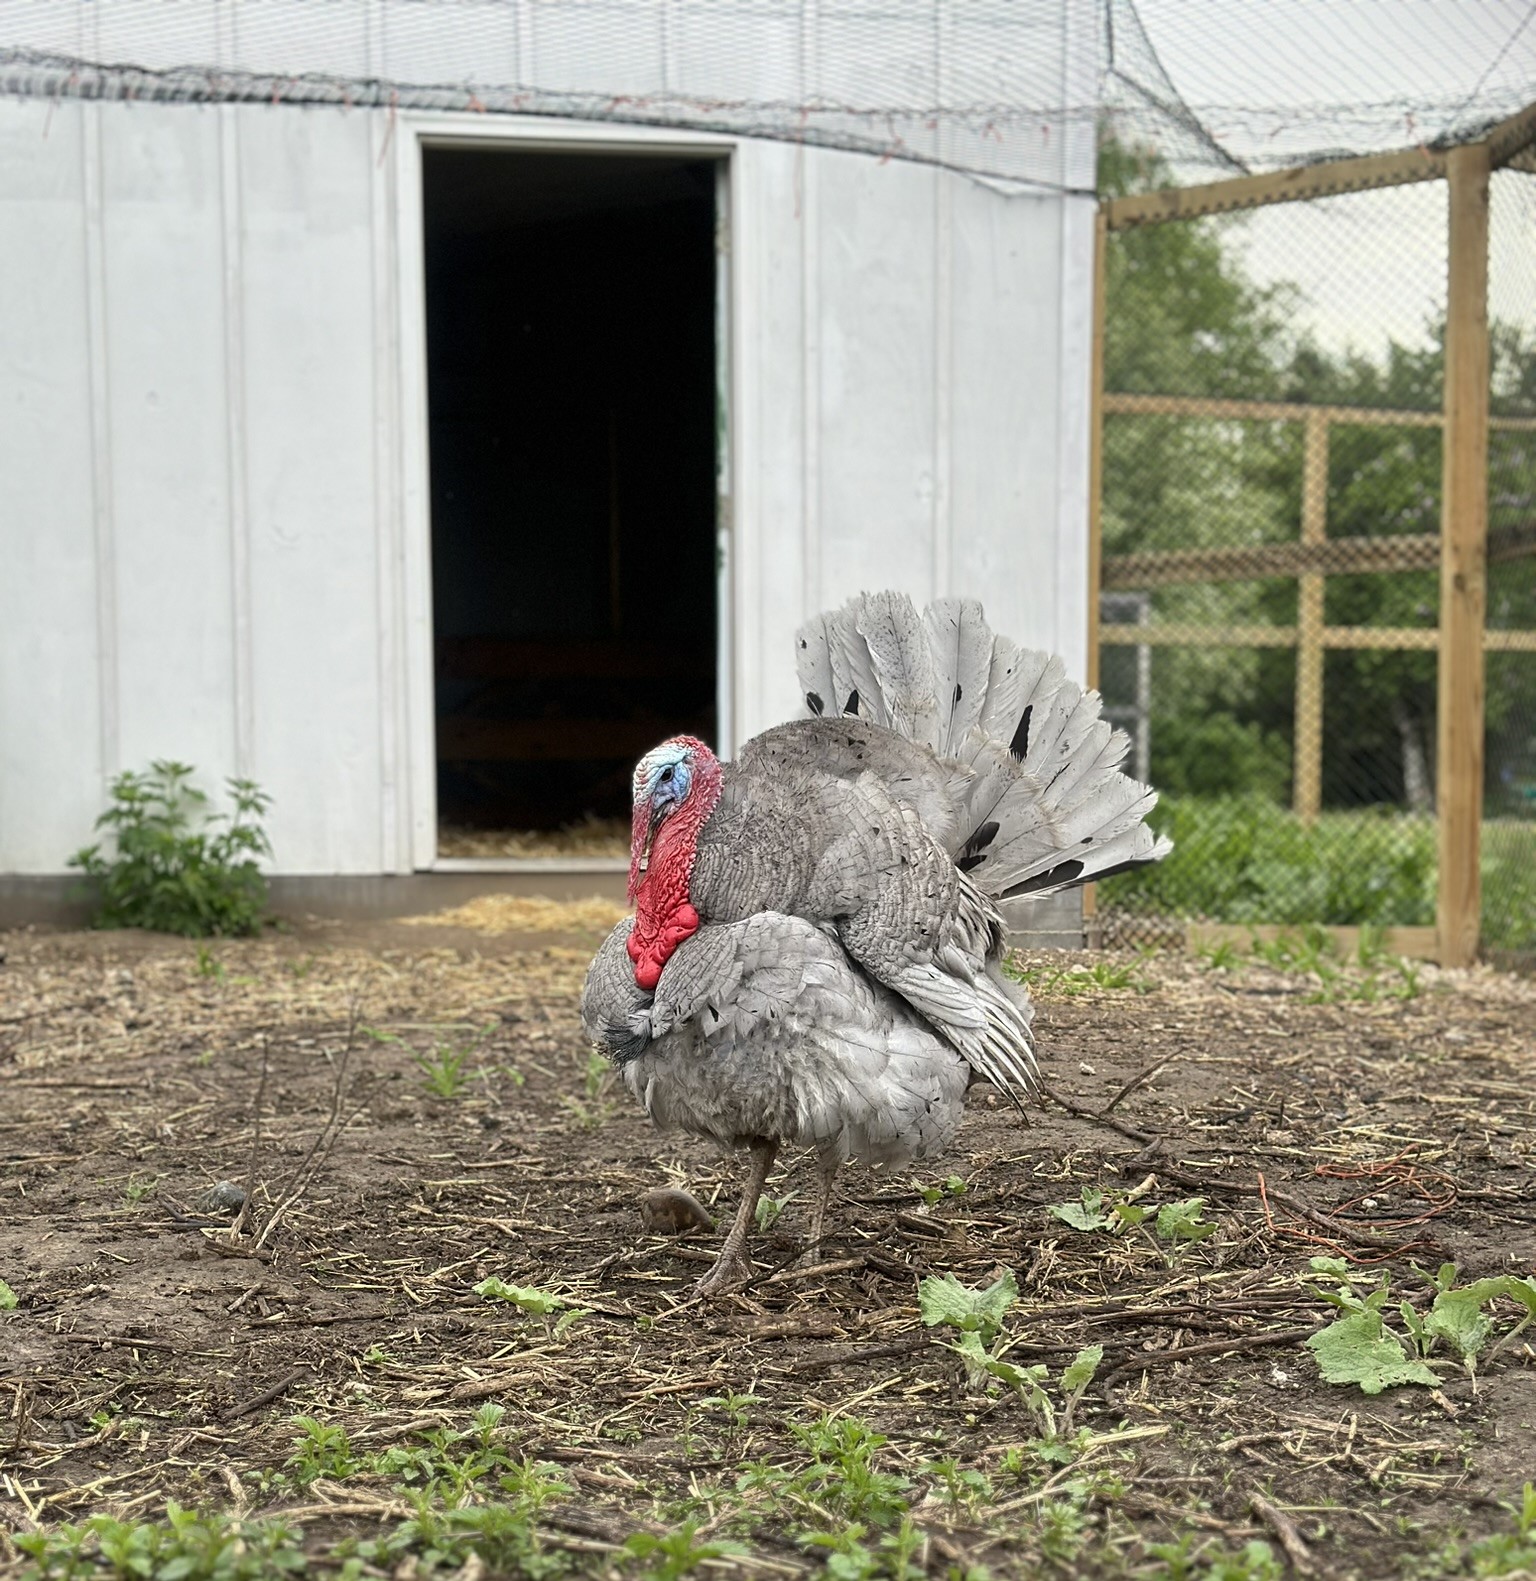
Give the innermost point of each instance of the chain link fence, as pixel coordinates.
(1270, 496)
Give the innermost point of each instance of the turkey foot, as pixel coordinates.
(733, 1267)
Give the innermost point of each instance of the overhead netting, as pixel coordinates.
(1217, 89)
(1010, 89)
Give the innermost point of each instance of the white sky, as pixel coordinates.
(1269, 77)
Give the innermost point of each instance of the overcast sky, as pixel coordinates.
(1275, 79)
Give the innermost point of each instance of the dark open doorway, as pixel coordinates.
(572, 408)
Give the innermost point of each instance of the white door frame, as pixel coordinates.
(415, 673)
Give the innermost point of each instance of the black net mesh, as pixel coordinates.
(1012, 89)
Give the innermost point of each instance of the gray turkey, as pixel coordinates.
(815, 956)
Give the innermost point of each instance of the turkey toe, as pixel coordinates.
(729, 1272)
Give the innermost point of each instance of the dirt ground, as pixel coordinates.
(154, 1351)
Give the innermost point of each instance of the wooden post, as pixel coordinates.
(1307, 753)
(1463, 559)
(1096, 475)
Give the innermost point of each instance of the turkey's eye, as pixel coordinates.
(666, 775)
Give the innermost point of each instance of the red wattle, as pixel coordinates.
(664, 915)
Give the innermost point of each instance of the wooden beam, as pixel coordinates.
(1512, 137)
(1416, 943)
(1509, 641)
(1117, 403)
(1188, 636)
(1387, 638)
(1307, 743)
(1096, 475)
(1382, 638)
(1335, 557)
(1463, 565)
(1279, 186)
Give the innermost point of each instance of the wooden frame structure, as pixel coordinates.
(1462, 550)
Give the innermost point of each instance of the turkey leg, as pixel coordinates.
(827, 1174)
(733, 1267)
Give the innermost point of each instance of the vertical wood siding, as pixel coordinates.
(209, 472)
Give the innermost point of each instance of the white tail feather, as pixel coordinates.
(1045, 804)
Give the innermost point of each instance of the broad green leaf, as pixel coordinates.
(1358, 1349)
(948, 1301)
(1080, 1374)
(1085, 1215)
(1131, 1213)
(1181, 1221)
(1458, 1318)
(529, 1299)
(7, 1297)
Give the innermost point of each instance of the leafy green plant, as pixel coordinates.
(1359, 1348)
(322, 1449)
(1174, 1227)
(176, 867)
(7, 1297)
(945, 1302)
(953, 1186)
(444, 1073)
(185, 1546)
(842, 1481)
(1220, 956)
(769, 1209)
(849, 1557)
(1085, 1215)
(1101, 976)
(964, 1487)
(978, 1315)
(542, 1303)
(676, 1553)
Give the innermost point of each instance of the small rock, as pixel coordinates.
(226, 1197)
(668, 1211)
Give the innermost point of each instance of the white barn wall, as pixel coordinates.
(211, 369)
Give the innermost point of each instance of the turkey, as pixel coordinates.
(815, 955)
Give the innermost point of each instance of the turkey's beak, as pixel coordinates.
(659, 810)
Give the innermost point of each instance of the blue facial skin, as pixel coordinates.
(664, 779)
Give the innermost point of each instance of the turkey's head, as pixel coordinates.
(671, 781)
(676, 787)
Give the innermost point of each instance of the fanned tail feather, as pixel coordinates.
(1047, 804)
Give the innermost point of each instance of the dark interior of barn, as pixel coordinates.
(572, 412)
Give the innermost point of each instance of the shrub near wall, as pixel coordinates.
(175, 867)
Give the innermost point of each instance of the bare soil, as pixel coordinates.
(155, 1352)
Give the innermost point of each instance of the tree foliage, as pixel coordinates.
(1185, 317)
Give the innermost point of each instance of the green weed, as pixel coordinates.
(175, 867)
(444, 1073)
(1360, 1348)
(183, 1547)
(322, 1449)
(676, 1553)
(769, 1209)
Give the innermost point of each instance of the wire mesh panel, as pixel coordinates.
(1271, 494)
(1509, 784)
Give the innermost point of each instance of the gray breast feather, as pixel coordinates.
(764, 1028)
